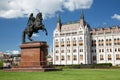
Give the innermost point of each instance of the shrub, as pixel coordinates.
(67, 66)
(100, 65)
(15, 64)
(1, 64)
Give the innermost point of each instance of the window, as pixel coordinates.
(56, 34)
(62, 51)
(56, 44)
(68, 57)
(102, 50)
(93, 42)
(57, 51)
(68, 50)
(80, 32)
(110, 50)
(74, 43)
(80, 38)
(57, 58)
(81, 50)
(56, 40)
(115, 49)
(116, 41)
(107, 42)
(62, 34)
(101, 42)
(92, 51)
(68, 43)
(74, 33)
(119, 42)
(95, 50)
(117, 56)
(62, 58)
(109, 57)
(107, 50)
(94, 58)
(99, 50)
(80, 42)
(101, 57)
(118, 49)
(62, 44)
(75, 57)
(110, 41)
(74, 50)
(81, 57)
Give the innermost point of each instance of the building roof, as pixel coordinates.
(106, 30)
(70, 26)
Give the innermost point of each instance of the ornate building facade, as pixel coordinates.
(77, 43)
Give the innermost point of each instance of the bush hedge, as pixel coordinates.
(77, 66)
(67, 66)
(1, 64)
(102, 65)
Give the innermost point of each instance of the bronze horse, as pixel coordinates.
(36, 25)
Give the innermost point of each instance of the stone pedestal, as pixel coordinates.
(33, 54)
(33, 58)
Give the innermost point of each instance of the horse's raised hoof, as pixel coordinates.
(46, 34)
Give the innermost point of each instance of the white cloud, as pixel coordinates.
(22, 8)
(116, 16)
(77, 4)
(35, 35)
(15, 52)
(12, 52)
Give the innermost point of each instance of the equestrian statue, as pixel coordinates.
(33, 25)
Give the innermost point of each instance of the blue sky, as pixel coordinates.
(14, 15)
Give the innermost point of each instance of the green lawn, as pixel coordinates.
(72, 74)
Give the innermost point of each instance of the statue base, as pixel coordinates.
(33, 54)
(33, 58)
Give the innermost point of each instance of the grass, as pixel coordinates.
(71, 74)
